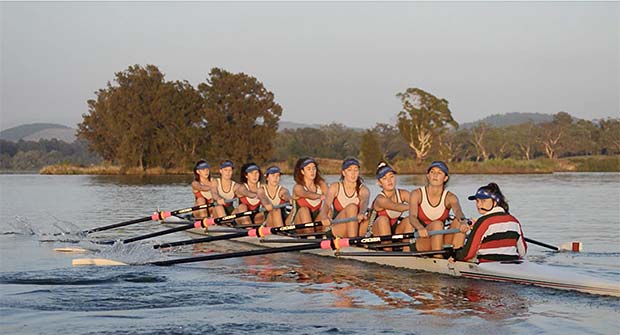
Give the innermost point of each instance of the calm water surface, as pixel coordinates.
(40, 293)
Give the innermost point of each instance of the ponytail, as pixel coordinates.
(493, 188)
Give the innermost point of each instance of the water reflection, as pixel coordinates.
(350, 284)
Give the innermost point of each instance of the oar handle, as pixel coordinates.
(264, 231)
(339, 243)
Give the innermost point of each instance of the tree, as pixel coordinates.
(478, 138)
(524, 139)
(610, 136)
(242, 117)
(120, 124)
(550, 133)
(370, 152)
(424, 117)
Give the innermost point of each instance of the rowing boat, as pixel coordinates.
(519, 272)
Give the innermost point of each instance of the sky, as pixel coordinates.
(324, 61)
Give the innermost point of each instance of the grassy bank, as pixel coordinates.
(410, 166)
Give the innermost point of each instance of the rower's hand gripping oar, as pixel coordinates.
(330, 244)
(258, 232)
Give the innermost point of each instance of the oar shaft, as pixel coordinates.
(301, 247)
(158, 215)
(201, 240)
(542, 244)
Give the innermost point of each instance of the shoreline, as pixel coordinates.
(409, 167)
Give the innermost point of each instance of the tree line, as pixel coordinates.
(33, 155)
(142, 120)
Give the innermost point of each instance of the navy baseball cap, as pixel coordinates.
(350, 161)
(482, 193)
(438, 164)
(272, 170)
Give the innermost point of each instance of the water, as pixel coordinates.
(41, 293)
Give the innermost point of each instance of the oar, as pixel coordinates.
(330, 244)
(204, 223)
(260, 232)
(574, 246)
(154, 217)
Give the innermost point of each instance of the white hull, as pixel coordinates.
(522, 272)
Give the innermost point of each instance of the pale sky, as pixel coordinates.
(324, 61)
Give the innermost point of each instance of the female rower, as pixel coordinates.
(277, 194)
(308, 193)
(248, 193)
(388, 208)
(430, 206)
(201, 187)
(496, 235)
(349, 198)
(225, 187)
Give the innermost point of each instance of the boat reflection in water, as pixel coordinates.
(351, 284)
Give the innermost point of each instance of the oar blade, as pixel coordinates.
(96, 262)
(71, 250)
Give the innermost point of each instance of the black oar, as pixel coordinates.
(154, 217)
(574, 246)
(198, 224)
(261, 231)
(331, 244)
(204, 223)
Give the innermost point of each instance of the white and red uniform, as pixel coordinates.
(342, 200)
(251, 203)
(391, 214)
(226, 195)
(428, 213)
(312, 204)
(275, 200)
(204, 194)
(496, 236)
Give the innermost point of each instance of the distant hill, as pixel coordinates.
(37, 131)
(294, 125)
(509, 119)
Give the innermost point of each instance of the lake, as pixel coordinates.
(40, 292)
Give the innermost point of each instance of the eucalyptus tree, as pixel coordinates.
(423, 119)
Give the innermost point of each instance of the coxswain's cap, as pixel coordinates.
(482, 193)
(348, 162)
(438, 164)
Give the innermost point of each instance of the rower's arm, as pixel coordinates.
(285, 195)
(453, 203)
(196, 185)
(216, 195)
(385, 203)
(329, 199)
(364, 197)
(264, 200)
(301, 192)
(415, 198)
(242, 191)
